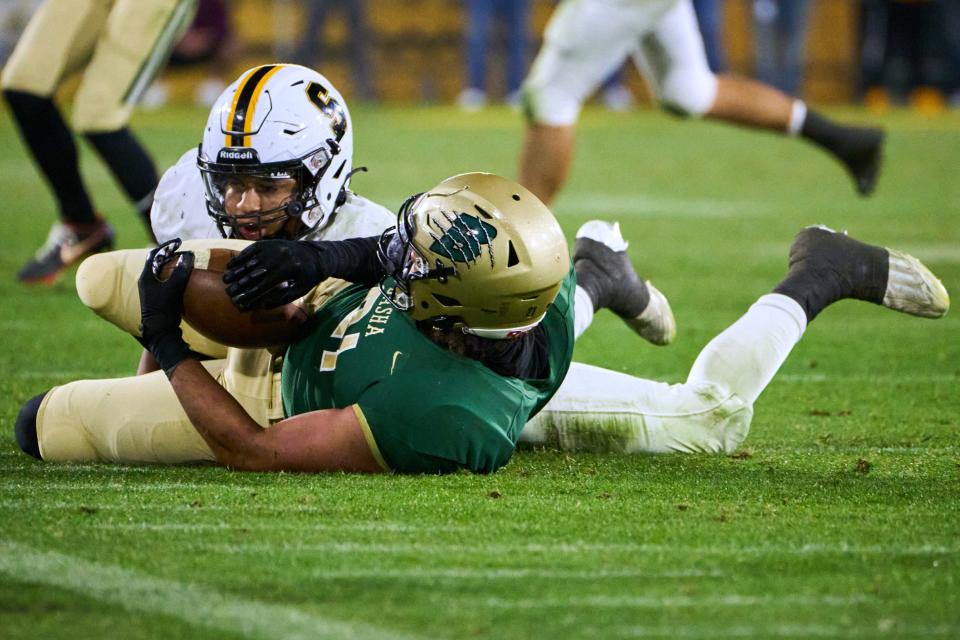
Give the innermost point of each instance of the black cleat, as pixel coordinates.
(862, 156)
(860, 149)
(604, 270)
(827, 266)
(66, 244)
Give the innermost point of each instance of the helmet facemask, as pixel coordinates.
(403, 261)
(300, 206)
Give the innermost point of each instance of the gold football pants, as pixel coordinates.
(117, 47)
(139, 419)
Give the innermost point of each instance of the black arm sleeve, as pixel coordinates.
(270, 273)
(353, 260)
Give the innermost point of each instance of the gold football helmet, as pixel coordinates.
(478, 251)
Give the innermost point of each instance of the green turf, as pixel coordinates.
(841, 517)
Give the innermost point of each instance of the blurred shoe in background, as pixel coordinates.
(472, 99)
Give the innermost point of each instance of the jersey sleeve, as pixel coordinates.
(179, 205)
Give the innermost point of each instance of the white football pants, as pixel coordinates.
(600, 410)
(587, 40)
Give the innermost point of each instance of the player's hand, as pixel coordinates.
(271, 273)
(161, 305)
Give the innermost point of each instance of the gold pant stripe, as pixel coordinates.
(109, 44)
(368, 435)
(179, 21)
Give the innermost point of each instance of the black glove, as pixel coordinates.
(161, 305)
(271, 273)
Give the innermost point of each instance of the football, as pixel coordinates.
(208, 309)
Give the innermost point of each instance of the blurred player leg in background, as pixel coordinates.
(482, 21)
(587, 39)
(950, 17)
(311, 49)
(779, 43)
(710, 20)
(517, 18)
(479, 16)
(209, 42)
(117, 47)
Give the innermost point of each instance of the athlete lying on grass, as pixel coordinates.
(463, 343)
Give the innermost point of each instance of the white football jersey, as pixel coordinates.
(180, 210)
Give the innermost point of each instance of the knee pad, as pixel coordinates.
(107, 285)
(96, 281)
(25, 428)
(688, 93)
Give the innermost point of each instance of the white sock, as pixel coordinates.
(582, 311)
(745, 357)
(798, 115)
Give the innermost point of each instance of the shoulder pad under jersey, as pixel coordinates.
(179, 204)
(357, 217)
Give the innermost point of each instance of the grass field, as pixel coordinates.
(840, 518)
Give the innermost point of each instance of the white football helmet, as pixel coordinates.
(279, 121)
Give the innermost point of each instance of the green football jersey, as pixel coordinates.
(423, 408)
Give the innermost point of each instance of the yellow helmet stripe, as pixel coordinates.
(244, 104)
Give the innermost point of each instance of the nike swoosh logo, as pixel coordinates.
(393, 365)
(69, 253)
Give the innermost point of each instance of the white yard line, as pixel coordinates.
(473, 548)
(781, 631)
(556, 549)
(164, 510)
(223, 526)
(196, 605)
(131, 488)
(671, 602)
(462, 573)
(126, 488)
(76, 467)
